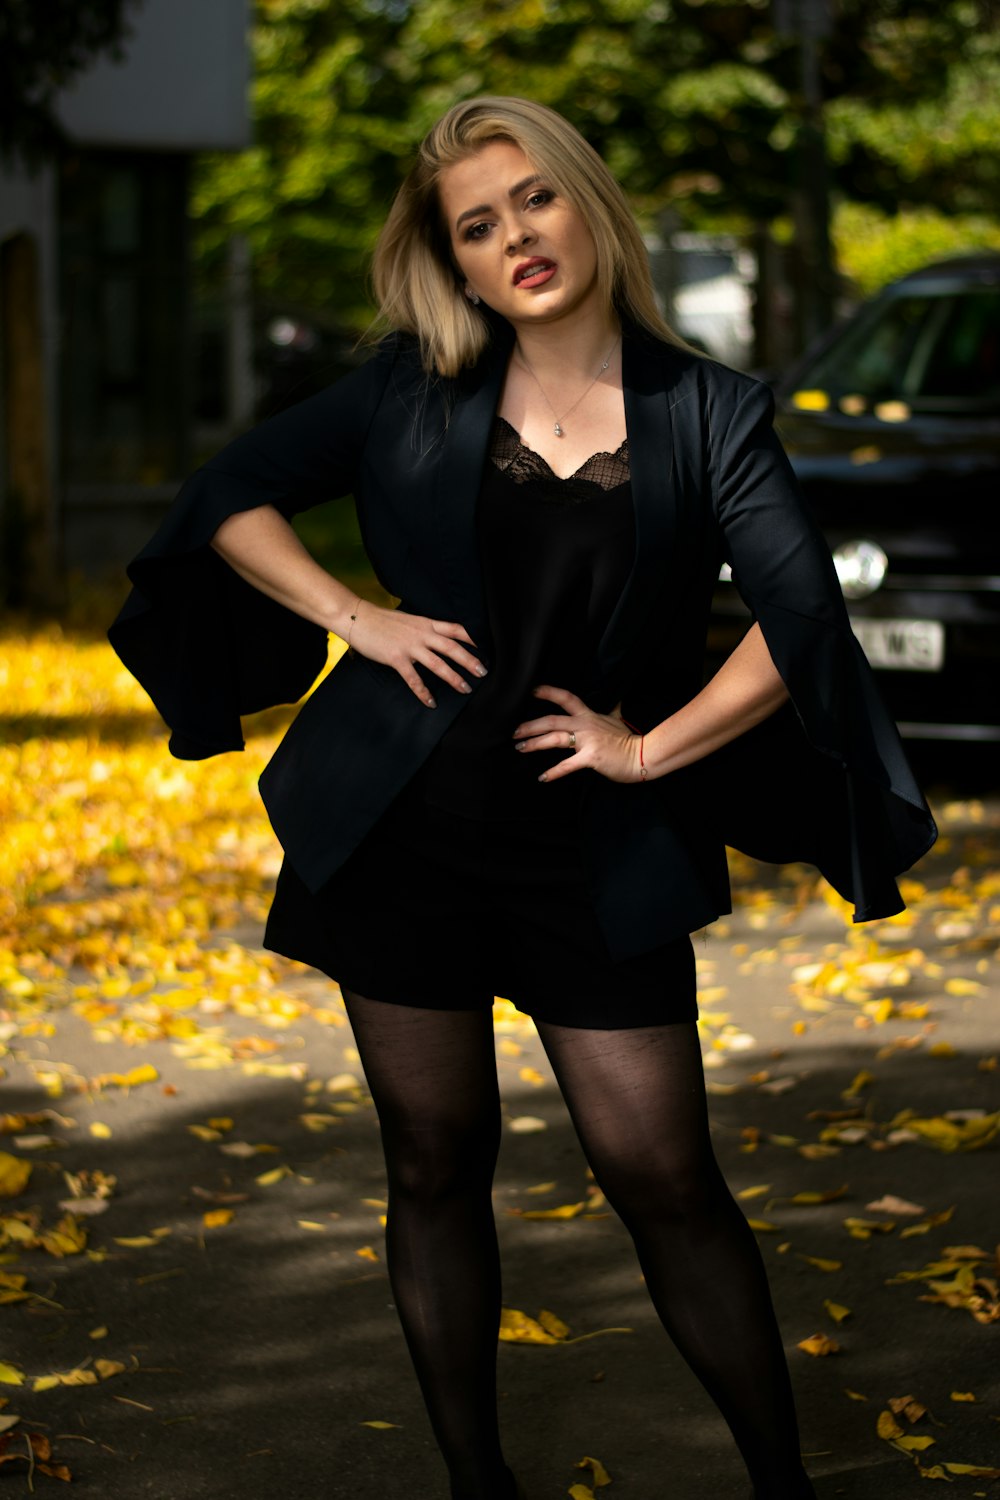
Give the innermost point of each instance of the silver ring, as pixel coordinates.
(572, 739)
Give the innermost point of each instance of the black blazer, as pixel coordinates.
(824, 780)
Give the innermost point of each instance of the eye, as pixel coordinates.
(540, 197)
(476, 231)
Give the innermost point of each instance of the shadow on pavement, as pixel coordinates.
(260, 1348)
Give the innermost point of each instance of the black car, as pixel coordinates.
(892, 424)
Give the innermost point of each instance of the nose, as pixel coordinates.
(518, 237)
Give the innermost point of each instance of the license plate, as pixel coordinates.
(902, 645)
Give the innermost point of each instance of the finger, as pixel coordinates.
(541, 726)
(453, 629)
(416, 685)
(441, 668)
(562, 696)
(461, 658)
(563, 768)
(560, 739)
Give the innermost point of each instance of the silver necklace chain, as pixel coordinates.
(558, 428)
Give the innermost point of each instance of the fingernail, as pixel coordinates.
(480, 670)
(519, 745)
(465, 688)
(542, 777)
(431, 703)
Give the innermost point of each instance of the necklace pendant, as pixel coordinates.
(557, 430)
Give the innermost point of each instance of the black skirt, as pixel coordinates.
(439, 910)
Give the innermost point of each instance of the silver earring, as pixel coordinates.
(472, 296)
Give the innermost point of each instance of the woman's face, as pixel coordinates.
(520, 246)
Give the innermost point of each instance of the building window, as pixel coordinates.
(126, 388)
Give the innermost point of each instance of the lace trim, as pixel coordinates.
(524, 466)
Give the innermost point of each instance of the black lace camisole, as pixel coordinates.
(555, 555)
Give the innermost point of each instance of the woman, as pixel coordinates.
(514, 782)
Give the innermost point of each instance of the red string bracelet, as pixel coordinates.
(643, 773)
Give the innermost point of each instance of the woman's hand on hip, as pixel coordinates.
(404, 641)
(601, 742)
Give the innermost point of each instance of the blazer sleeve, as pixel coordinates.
(826, 779)
(206, 645)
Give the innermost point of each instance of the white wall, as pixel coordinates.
(182, 85)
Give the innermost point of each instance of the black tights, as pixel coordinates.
(637, 1101)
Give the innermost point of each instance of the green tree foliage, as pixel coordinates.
(920, 120)
(694, 103)
(44, 44)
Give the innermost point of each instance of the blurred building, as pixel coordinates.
(96, 375)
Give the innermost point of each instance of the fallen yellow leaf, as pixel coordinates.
(863, 1229)
(69, 1377)
(267, 1179)
(553, 1325)
(518, 1328)
(214, 1218)
(956, 1135)
(887, 1427)
(599, 1474)
(564, 1211)
(319, 1122)
(860, 1081)
(836, 1310)
(14, 1174)
(830, 1195)
(819, 1344)
(67, 1238)
(820, 1263)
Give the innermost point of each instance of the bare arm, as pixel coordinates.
(263, 548)
(746, 689)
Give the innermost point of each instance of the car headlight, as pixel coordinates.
(860, 568)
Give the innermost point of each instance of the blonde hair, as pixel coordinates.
(417, 285)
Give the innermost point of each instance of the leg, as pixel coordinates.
(432, 1075)
(637, 1099)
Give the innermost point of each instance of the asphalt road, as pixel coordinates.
(257, 1350)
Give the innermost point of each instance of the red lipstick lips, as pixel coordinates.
(534, 272)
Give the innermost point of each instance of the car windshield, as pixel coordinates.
(934, 347)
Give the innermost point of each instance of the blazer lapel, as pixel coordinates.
(459, 477)
(655, 498)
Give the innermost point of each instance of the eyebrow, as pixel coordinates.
(485, 208)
